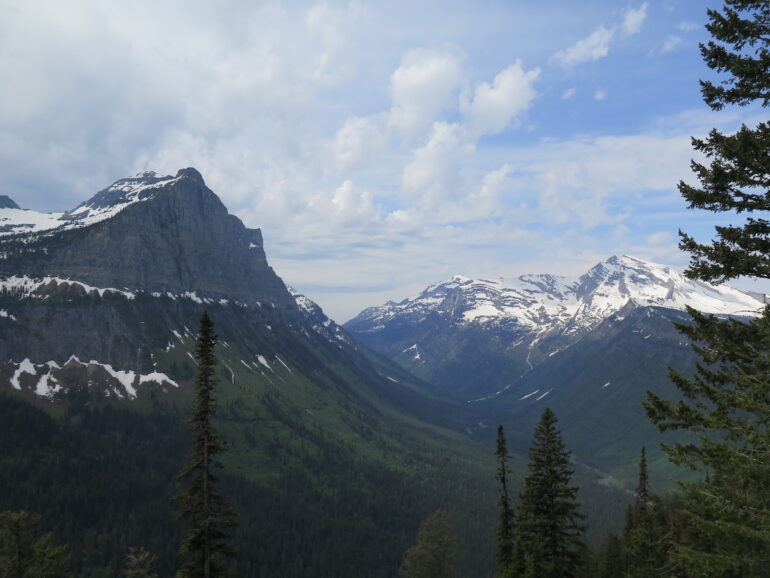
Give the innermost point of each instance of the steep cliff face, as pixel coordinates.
(177, 238)
(108, 294)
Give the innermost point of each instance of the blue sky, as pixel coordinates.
(380, 146)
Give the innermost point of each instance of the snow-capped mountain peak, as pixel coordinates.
(613, 283)
(546, 302)
(118, 196)
(103, 205)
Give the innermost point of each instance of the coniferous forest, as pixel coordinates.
(96, 488)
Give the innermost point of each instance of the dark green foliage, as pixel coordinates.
(646, 539)
(742, 33)
(726, 527)
(207, 542)
(506, 518)
(434, 551)
(139, 564)
(549, 529)
(728, 409)
(328, 513)
(24, 555)
(736, 177)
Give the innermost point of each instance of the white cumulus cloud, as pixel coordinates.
(350, 204)
(432, 176)
(354, 141)
(498, 105)
(421, 88)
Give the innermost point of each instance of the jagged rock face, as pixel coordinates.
(472, 336)
(109, 294)
(180, 238)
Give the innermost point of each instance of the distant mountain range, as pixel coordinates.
(473, 337)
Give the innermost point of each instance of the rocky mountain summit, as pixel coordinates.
(549, 302)
(102, 293)
(510, 327)
(149, 233)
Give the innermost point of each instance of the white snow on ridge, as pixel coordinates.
(25, 366)
(47, 383)
(549, 302)
(14, 221)
(4, 313)
(47, 386)
(302, 302)
(28, 286)
(104, 205)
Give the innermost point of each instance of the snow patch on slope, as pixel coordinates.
(48, 383)
(104, 205)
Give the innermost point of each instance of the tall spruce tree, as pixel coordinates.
(207, 542)
(727, 401)
(506, 517)
(549, 527)
(646, 538)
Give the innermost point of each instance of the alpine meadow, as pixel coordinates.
(427, 290)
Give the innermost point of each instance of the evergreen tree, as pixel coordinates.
(737, 177)
(646, 540)
(505, 521)
(139, 564)
(549, 529)
(727, 531)
(22, 555)
(433, 553)
(610, 560)
(210, 517)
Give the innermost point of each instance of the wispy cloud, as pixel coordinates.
(671, 43)
(687, 26)
(592, 48)
(633, 19)
(597, 45)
